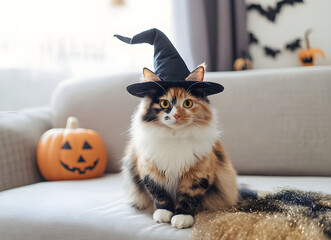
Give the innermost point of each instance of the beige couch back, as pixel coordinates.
(274, 122)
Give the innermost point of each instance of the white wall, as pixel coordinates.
(291, 23)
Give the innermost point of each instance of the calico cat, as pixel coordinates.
(175, 163)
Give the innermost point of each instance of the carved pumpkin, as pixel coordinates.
(307, 56)
(71, 153)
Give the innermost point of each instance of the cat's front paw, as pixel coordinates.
(162, 216)
(182, 221)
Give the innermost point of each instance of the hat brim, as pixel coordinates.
(142, 89)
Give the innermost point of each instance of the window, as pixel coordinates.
(75, 37)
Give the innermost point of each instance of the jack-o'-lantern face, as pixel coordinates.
(71, 153)
(78, 157)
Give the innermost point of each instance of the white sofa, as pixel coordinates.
(276, 129)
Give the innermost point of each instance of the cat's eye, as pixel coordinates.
(164, 104)
(188, 103)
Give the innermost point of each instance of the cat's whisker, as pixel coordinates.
(159, 86)
(192, 86)
(199, 120)
(196, 124)
(126, 131)
(156, 124)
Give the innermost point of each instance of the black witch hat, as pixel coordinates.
(170, 69)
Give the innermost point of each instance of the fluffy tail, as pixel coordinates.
(246, 193)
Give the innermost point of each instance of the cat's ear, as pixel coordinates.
(197, 74)
(150, 76)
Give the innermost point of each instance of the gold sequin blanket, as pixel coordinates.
(287, 214)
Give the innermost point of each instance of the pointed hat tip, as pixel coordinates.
(122, 38)
(168, 64)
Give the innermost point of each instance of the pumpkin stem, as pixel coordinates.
(72, 123)
(306, 37)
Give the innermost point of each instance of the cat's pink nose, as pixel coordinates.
(177, 116)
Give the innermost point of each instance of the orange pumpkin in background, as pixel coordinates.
(71, 153)
(242, 63)
(307, 56)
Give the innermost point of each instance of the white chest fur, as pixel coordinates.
(173, 151)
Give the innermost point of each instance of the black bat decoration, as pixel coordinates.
(292, 46)
(271, 13)
(271, 52)
(252, 39)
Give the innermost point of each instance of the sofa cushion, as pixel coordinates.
(20, 133)
(276, 121)
(68, 210)
(97, 209)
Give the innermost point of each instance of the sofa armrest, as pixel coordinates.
(19, 135)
